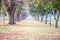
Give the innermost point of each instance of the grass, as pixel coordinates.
(5, 29)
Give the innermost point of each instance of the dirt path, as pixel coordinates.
(29, 30)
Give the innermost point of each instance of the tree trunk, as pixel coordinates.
(38, 16)
(41, 18)
(4, 21)
(11, 18)
(18, 15)
(50, 16)
(0, 4)
(11, 15)
(46, 18)
(50, 21)
(53, 12)
(10, 7)
(56, 19)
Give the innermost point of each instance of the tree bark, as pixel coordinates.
(11, 18)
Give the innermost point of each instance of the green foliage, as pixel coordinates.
(36, 6)
(48, 5)
(40, 5)
(32, 8)
(56, 4)
(20, 6)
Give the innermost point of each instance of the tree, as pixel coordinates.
(40, 12)
(37, 7)
(10, 6)
(50, 12)
(47, 5)
(20, 4)
(56, 6)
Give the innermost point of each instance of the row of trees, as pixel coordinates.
(43, 7)
(40, 7)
